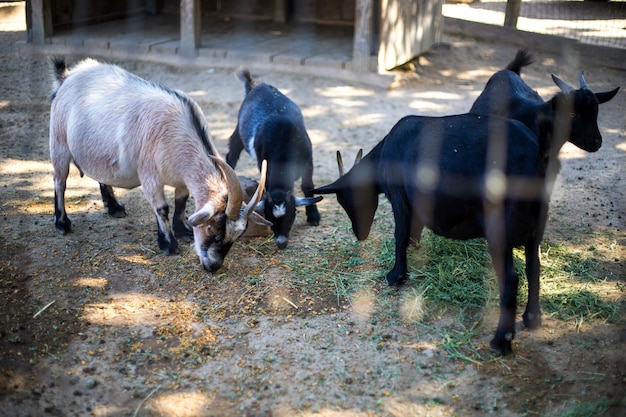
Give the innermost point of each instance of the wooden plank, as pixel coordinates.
(513, 8)
(37, 32)
(408, 28)
(363, 35)
(190, 25)
(280, 11)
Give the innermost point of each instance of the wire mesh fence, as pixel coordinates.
(592, 22)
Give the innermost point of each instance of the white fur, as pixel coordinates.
(124, 131)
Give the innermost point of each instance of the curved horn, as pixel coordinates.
(582, 82)
(359, 156)
(235, 195)
(340, 163)
(258, 194)
(565, 87)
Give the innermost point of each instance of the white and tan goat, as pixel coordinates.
(124, 131)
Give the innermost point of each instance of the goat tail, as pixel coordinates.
(522, 59)
(59, 73)
(244, 75)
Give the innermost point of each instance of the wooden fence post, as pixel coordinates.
(190, 22)
(363, 27)
(512, 13)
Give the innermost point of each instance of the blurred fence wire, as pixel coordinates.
(592, 22)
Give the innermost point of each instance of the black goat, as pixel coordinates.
(270, 126)
(507, 95)
(453, 175)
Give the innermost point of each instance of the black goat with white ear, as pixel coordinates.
(270, 127)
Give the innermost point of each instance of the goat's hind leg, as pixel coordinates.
(235, 146)
(181, 228)
(60, 157)
(508, 283)
(61, 221)
(114, 208)
(312, 214)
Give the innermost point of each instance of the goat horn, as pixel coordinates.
(359, 156)
(582, 82)
(340, 163)
(235, 195)
(565, 87)
(258, 194)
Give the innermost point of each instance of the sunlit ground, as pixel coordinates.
(586, 22)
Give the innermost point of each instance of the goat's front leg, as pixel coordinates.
(402, 217)
(182, 230)
(532, 314)
(114, 208)
(312, 214)
(153, 191)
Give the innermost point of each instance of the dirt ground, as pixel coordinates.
(128, 331)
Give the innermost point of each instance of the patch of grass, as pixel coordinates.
(448, 277)
(455, 273)
(588, 409)
(577, 303)
(567, 285)
(560, 261)
(342, 265)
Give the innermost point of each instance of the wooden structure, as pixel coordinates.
(386, 33)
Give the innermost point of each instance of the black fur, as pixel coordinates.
(434, 171)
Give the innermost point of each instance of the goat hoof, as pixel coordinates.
(118, 211)
(184, 234)
(532, 321)
(63, 227)
(171, 251)
(501, 344)
(394, 279)
(313, 220)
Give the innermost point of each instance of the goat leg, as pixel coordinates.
(155, 195)
(312, 214)
(181, 228)
(61, 171)
(114, 208)
(235, 146)
(61, 222)
(165, 237)
(532, 314)
(508, 282)
(402, 217)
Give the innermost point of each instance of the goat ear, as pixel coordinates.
(200, 217)
(606, 95)
(565, 87)
(307, 201)
(260, 220)
(333, 188)
(357, 159)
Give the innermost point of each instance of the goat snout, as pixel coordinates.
(281, 241)
(209, 265)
